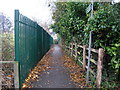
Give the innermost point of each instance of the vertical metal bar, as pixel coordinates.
(42, 41)
(37, 42)
(36, 53)
(89, 51)
(17, 38)
(89, 54)
(17, 35)
(92, 9)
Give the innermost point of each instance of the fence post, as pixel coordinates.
(16, 75)
(99, 67)
(84, 56)
(76, 52)
(71, 49)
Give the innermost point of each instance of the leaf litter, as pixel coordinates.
(34, 75)
(77, 74)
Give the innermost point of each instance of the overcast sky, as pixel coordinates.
(31, 8)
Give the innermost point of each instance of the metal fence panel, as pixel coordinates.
(31, 43)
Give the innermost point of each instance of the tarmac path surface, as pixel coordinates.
(57, 76)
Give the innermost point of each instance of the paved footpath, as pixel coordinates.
(56, 77)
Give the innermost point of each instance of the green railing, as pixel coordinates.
(31, 43)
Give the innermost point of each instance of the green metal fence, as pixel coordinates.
(31, 43)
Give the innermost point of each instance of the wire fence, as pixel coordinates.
(9, 74)
(6, 52)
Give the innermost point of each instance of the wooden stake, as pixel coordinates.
(71, 49)
(76, 52)
(84, 57)
(99, 67)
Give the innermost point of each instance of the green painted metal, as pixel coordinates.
(31, 43)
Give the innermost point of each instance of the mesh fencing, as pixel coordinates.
(9, 74)
(6, 52)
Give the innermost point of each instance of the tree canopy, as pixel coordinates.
(6, 24)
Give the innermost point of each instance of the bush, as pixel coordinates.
(71, 21)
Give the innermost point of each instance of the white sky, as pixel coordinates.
(30, 8)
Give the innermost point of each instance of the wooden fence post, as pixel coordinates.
(84, 56)
(99, 67)
(76, 52)
(71, 49)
